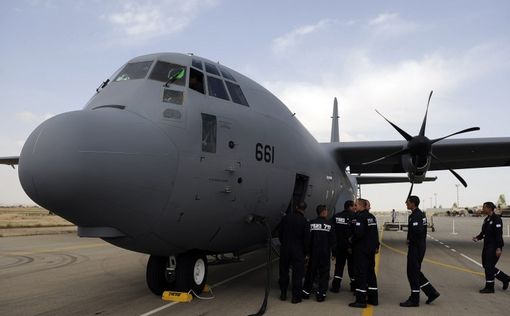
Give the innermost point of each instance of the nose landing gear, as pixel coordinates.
(185, 272)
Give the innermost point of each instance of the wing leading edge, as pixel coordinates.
(9, 161)
(455, 153)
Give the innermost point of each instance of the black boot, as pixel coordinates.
(283, 294)
(361, 300)
(320, 297)
(412, 301)
(373, 297)
(335, 285)
(489, 288)
(353, 285)
(431, 293)
(503, 277)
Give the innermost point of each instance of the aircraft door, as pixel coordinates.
(300, 188)
(219, 163)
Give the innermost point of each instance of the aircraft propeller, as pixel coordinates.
(420, 147)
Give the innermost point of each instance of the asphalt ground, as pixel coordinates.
(67, 275)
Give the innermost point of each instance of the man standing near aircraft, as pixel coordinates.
(492, 235)
(293, 236)
(417, 241)
(365, 245)
(322, 241)
(342, 224)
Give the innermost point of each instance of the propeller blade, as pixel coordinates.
(422, 129)
(397, 153)
(410, 190)
(451, 170)
(471, 129)
(401, 131)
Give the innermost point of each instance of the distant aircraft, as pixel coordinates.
(176, 155)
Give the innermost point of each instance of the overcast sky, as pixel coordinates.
(369, 54)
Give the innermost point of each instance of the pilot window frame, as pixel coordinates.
(209, 133)
(131, 67)
(164, 78)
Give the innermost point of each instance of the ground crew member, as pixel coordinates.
(393, 215)
(417, 241)
(293, 235)
(322, 241)
(343, 252)
(492, 235)
(365, 245)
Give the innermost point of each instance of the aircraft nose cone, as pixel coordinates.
(99, 168)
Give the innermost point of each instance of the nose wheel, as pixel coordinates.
(187, 271)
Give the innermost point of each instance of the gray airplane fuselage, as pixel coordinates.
(163, 169)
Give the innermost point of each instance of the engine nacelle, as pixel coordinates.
(416, 167)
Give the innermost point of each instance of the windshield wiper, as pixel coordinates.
(175, 74)
(104, 84)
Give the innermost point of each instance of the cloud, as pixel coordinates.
(30, 117)
(398, 89)
(292, 38)
(391, 25)
(141, 20)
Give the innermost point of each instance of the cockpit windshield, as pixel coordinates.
(166, 72)
(132, 71)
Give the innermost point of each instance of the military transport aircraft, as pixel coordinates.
(175, 155)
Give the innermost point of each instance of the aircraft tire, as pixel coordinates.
(155, 276)
(191, 272)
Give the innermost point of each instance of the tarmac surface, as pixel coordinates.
(66, 275)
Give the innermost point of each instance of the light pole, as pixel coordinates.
(458, 205)
(435, 200)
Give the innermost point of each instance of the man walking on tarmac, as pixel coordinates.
(492, 235)
(365, 245)
(416, 241)
(322, 241)
(342, 253)
(293, 234)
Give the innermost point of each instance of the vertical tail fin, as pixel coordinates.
(335, 135)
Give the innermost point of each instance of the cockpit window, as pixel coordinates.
(226, 74)
(216, 88)
(133, 71)
(210, 68)
(196, 80)
(197, 64)
(236, 93)
(164, 71)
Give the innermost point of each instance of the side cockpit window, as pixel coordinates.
(217, 88)
(196, 80)
(236, 93)
(164, 72)
(133, 71)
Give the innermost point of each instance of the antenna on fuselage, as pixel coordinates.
(335, 134)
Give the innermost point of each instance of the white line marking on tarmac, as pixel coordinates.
(154, 311)
(453, 250)
(472, 260)
(447, 246)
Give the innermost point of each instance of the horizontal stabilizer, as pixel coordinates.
(389, 179)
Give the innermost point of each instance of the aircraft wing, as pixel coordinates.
(455, 153)
(383, 179)
(9, 161)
